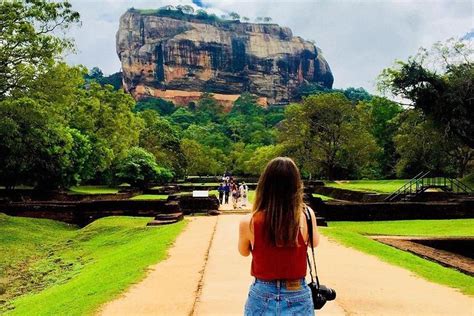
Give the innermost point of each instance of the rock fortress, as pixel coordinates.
(179, 58)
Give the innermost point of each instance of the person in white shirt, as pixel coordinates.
(244, 191)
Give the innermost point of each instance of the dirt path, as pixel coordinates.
(240, 207)
(171, 286)
(364, 284)
(227, 275)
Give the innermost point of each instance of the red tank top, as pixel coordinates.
(276, 263)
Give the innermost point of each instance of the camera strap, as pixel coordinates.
(309, 224)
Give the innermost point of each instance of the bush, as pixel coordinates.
(139, 169)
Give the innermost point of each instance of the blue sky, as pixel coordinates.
(358, 37)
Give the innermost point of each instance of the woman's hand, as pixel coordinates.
(245, 246)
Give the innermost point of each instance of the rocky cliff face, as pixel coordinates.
(168, 57)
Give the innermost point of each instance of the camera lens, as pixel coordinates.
(328, 293)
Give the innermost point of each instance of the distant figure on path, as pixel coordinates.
(221, 190)
(226, 192)
(276, 234)
(235, 195)
(244, 191)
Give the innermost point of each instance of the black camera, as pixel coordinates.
(321, 294)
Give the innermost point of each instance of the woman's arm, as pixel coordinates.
(315, 228)
(244, 237)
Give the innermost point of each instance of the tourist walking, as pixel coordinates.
(235, 195)
(276, 234)
(221, 190)
(226, 192)
(244, 190)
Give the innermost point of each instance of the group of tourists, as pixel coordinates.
(231, 188)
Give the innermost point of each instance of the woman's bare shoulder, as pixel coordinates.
(245, 221)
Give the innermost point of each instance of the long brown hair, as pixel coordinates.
(279, 195)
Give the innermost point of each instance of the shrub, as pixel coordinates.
(139, 169)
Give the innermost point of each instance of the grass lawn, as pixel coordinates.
(71, 271)
(150, 197)
(378, 186)
(93, 189)
(469, 180)
(322, 197)
(352, 234)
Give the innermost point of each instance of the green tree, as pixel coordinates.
(182, 117)
(247, 122)
(246, 104)
(139, 169)
(29, 44)
(273, 116)
(38, 151)
(203, 160)
(208, 109)
(208, 135)
(422, 146)
(106, 114)
(115, 80)
(381, 114)
(160, 138)
(326, 136)
(443, 91)
(95, 74)
(159, 105)
(357, 94)
(260, 158)
(57, 89)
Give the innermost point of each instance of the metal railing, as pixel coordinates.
(406, 188)
(422, 182)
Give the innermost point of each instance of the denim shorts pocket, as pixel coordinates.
(301, 304)
(256, 304)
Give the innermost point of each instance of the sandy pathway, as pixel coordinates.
(364, 284)
(227, 275)
(171, 286)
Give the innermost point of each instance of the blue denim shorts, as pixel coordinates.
(272, 298)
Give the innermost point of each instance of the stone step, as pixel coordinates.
(161, 222)
(321, 221)
(166, 219)
(171, 216)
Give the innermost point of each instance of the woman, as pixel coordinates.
(276, 235)
(235, 195)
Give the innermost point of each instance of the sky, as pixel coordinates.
(358, 38)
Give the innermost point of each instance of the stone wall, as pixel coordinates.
(382, 211)
(83, 212)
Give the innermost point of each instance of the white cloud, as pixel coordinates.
(358, 38)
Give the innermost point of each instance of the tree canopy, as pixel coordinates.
(29, 46)
(443, 91)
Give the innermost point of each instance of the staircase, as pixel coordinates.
(422, 182)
